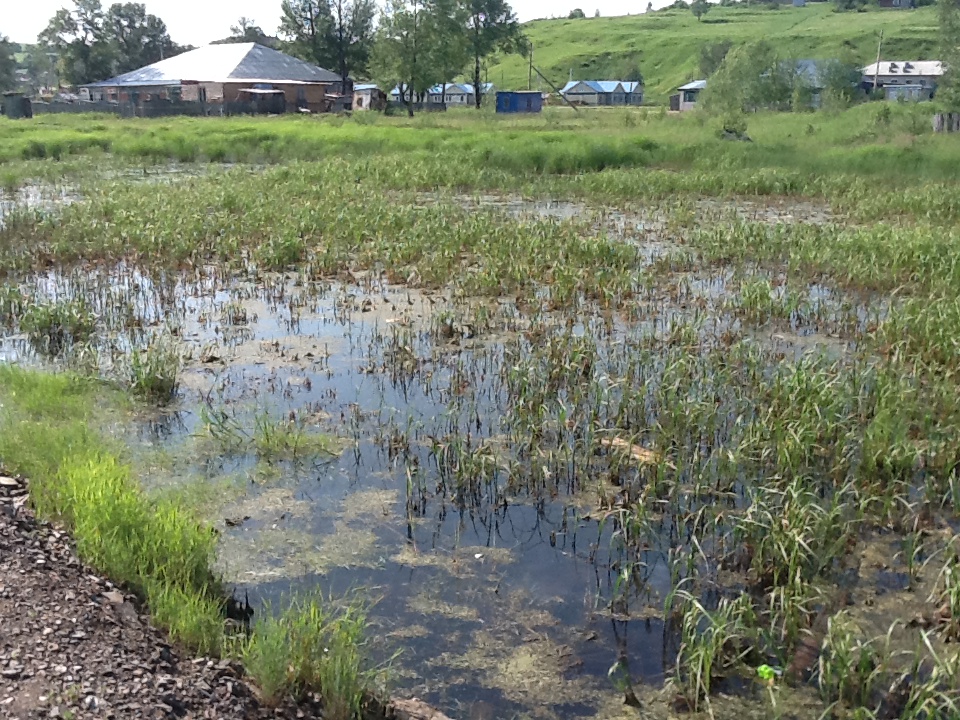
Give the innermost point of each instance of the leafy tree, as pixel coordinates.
(491, 26)
(948, 90)
(84, 49)
(93, 45)
(138, 38)
(596, 13)
(447, 49)
(246, 30)
(576, 14)
(336, 34)
(399, 56)
(749, 78)
(40, 68)
(711, 55)
(847, 5)
(306, 26)
(840, 82)
(8, 64)
(353, 33)
(649, 7)
(699, 8)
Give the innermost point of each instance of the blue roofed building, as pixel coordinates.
(603, 92)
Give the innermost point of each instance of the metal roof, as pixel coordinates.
(603, 86)
(243, 62)
(908, 68)
(695, 85)
(452, 89)
(360, 87)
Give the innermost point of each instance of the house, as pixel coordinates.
(459, 94)
(899, 79)
(242, 73)
(603, 92)
(689, 95)
(519, 101)
(368, 96)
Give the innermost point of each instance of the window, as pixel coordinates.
(202, 94)
(689, 96)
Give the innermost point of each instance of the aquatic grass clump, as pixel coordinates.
(53, 327)
(155, 369)
(310, 646)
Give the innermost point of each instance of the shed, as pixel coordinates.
(519, 101)
(367, 96)
(16, 105)
(690, 94)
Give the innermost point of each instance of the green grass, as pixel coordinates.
(666, 44)
(158, 548)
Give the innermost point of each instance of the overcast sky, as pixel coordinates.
(197, 22)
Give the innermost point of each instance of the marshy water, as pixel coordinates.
(518, 486)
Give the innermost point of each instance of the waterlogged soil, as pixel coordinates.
(352, 437)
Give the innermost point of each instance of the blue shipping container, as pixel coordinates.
(519, 101)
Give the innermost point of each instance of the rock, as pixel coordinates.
(413, 709)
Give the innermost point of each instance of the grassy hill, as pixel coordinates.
(666, 44)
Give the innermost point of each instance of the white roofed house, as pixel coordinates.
(229, 73)
(456, 94)
(603, 92)
(903, 79)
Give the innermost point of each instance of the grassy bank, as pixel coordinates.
(878, 140)
(158, 548)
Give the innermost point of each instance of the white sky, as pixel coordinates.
(197, 22)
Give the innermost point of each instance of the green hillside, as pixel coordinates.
(666, 44)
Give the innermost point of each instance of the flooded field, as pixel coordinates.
(565, 496)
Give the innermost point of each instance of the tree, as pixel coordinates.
(352, 36)
(576, 14)
(596, 13)
(139, 38)
(649, 7)
(93, 45)
(307, 26)
(948, 90)
(711, 55)
(699, 8)
(846, 5)
(40, 68)
(446, 40)
(246, 30)
(491, 26)
(840, 83)
(751, 77)
(8, 65)
(398, 54)
(336, 34)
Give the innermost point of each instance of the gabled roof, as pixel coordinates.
(603, 86)
(244, 62)
(907, 68)
(695, 85)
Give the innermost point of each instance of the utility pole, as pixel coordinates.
(530, 70)
(876, 68)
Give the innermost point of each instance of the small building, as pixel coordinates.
(603, 92)
(224, 74)
(456, 94)
(519, 101)
(689, 95)
(368, 96)
(912, 79)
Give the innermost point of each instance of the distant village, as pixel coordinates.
(254, 77)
